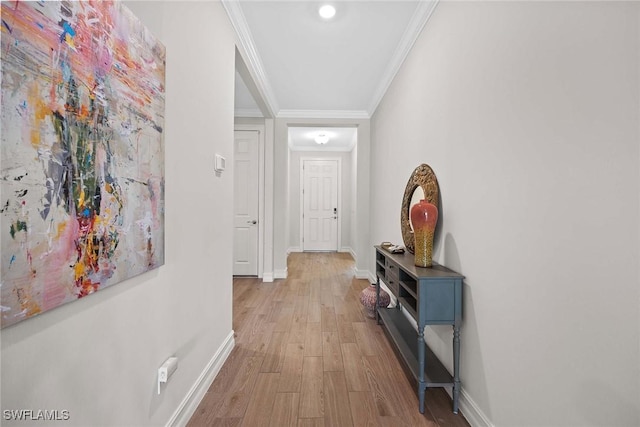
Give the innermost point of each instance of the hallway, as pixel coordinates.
(306, 355)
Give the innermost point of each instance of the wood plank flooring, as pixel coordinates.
(306, 355)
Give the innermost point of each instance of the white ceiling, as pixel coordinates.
(245, 105)
(304, 66)
(340, 139)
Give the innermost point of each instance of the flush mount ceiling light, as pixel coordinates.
(327, 11)
(322, 139)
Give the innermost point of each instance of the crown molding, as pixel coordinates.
(323, 114)
(252, 58)
(423, 12)
(248, 112)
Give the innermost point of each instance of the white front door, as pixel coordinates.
(320, 205)
(245, 180)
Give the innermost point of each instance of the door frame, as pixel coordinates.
(261, 188)
(339, 195)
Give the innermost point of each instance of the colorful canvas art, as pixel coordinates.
(82, 160)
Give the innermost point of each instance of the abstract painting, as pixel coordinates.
(82, 159)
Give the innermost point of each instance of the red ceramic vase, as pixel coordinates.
(424, 217)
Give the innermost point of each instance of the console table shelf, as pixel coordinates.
(404, 337)
(431, 296)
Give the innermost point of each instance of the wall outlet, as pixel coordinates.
(165, 371)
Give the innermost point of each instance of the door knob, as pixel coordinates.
(254, 222)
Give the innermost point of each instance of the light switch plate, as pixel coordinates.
(221, 163)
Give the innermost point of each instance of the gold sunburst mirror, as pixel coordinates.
(422, 184)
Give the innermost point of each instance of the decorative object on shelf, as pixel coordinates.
(424, 217)
(394, 249)
(422, 185)
(82, 168)
(368, 300)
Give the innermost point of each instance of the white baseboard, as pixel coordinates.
(371, 277)
(468, 408)
(190, 403)
(280, 274)
(346, 249)
(362, 274)
(267, 277)
(472, 412)
(294, 249)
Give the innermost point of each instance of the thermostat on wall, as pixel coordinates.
(221, 163)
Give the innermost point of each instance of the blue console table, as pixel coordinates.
(431, 296)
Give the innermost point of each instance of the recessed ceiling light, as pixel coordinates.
(327, 11)
(322, 139)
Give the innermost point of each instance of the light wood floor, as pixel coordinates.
(306, 355)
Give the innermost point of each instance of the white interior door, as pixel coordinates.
(245, 178)
(320, 205)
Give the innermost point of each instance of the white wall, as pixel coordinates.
(529, 114)
(295, 189)
(249, 121)
(354, 195)
(98, 357)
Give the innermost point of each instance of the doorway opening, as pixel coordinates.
(322, 188)
(253, 182)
